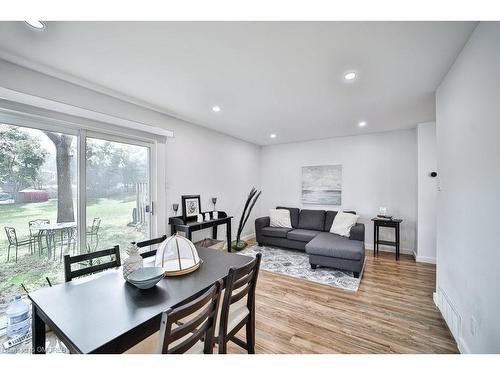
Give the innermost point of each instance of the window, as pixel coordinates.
(66, 188)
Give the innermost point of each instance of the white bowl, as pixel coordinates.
(147, 277)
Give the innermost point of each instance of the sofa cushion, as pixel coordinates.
(280, 218)
(312, 219)
(275, 232)
(343, 223)
(304, 235)
(335, 246)
(294, 215)
(330, 216)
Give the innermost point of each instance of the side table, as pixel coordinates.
(387, 223)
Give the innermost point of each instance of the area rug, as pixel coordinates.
(296, 264)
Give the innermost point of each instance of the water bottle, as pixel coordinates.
(18, 318)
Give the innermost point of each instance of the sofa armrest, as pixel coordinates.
(260, 223)
(358, 232)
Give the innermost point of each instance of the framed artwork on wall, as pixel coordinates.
(191, 206)
(322, 185)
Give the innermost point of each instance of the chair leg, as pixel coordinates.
(8, 252)
(250, 326)
(16, 252)
(222, 344)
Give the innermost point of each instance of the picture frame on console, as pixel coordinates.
(191, 206)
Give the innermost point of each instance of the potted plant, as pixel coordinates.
(239, 244)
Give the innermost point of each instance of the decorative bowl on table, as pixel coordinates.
(145, 278)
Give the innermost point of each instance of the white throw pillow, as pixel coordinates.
(343, 223)
(280, 218)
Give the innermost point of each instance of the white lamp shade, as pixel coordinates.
(177, 256)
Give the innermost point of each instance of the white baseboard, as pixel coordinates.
(462, 346)
(452, 318)
(248, 236)
(422, 259)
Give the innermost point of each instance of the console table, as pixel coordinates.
(387, 223)
(177, 223)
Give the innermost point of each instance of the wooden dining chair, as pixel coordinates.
(153, 241)
(238, 307)
(195, 336)
(86, 262)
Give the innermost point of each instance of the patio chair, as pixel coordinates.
(93, 233)
(13, 241)
(36, 235)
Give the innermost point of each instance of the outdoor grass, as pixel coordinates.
(31, 270)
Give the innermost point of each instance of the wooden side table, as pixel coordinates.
(387, 223)
(177, 223)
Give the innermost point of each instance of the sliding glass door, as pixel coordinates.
(117, 189)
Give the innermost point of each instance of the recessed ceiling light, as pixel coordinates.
(362, 123)
(273, 135)
(216, 108)
(350, 76)
(39, 25)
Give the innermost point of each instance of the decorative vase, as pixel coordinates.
(238, 245)
(133, 261)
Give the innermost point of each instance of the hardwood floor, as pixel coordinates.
(392, 312)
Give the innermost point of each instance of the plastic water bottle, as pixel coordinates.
(18, 318)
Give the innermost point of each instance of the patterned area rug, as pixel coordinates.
(296, 264)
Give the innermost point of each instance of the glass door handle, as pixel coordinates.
(149, 208)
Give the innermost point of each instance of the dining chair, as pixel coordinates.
(14, 241)
(86, 262)
(238, 307)
(153, 241)
(93, 233)
(36, 235)
(195, 336)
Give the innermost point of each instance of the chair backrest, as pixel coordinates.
(34, 223)
(153, 241)
(202, 312)
(11, 235)
(240, 282)
(69, 274)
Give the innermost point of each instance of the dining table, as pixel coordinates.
(103, 313)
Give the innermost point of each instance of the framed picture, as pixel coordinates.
(191, 206)
(322, 185)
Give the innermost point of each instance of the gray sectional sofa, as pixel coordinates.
(311, 232)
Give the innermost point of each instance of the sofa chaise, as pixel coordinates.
(311, 232)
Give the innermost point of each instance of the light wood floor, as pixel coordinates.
(392, 312)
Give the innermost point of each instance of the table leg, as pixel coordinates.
(374, 238)
(228, 234)
(37, 332)
(172, 229)
(189, 235)
(214, 232)
(397, 242)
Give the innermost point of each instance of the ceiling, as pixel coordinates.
(285, 78)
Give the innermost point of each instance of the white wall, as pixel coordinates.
(468, 138)
(198, 160)
(427, 192)
(378, 170)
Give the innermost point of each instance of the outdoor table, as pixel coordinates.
(51, 229)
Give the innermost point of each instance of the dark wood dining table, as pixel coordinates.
(103, 313)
